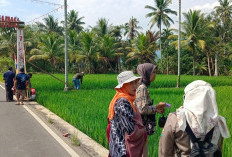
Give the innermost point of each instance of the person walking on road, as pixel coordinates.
(9, 77)
(20, 85)
(77, 79)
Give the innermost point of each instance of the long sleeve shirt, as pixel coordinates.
(122, 123)
(172, 135)
(78, 76)
(143, 100)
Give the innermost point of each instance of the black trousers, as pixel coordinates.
(9, 93)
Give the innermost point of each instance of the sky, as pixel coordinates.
(116, 11)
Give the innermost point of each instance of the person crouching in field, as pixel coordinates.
(196, 128)
(20, 85)
(143, 101)
(125, 132)
(77, 78)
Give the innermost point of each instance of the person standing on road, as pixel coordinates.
(9, 77)
(77, 79)
(143, 101)
(125, 131)
(20, 85)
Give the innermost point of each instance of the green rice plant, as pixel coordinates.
(87, 109)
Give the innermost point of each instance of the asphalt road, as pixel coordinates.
(22, 136)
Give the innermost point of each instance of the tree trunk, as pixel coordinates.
(167, 65)
(160, 44)
(216, 64)
(193, 62)
(208, 64)
(212, 64)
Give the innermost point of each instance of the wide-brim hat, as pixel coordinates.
(126, 77)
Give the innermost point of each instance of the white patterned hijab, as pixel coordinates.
(200, 110)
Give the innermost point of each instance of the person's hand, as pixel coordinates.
(160, 110)
(160, 105)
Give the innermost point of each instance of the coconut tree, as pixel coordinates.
(160, 14)
(166, 45)
(74, 22)
(50, 25)
(143, 50)
(109, 52)
(102, 27)
(194, 28)
(50, 47)
(116, 32)
(87, 51)
(131, 28)
(8, 43)
(224, 10)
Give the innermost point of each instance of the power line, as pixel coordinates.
(61, 7)
(50, 3)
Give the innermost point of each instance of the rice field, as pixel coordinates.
(87, 109)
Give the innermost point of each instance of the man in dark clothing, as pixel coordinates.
(20, 85)
(76, 80)
(9, 77)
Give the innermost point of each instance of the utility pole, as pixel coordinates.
(179, 38)
(66, 46)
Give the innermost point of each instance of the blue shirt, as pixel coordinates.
(9, 78)
(21, 81)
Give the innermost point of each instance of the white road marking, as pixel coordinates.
(54, 135)
(2, 87)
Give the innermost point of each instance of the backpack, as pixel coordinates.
(203, 148)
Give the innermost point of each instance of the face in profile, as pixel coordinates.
(153, 76)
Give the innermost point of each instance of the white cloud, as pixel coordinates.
(4, 3)
(206, 8)
(117, 12)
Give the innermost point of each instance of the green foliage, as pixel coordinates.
(5, 63)
(87, 108)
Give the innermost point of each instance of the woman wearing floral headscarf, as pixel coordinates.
(199, 114)
(143, 101)
(125, 132)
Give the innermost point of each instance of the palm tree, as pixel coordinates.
(159, 15)
(143, 50)
(116, 31)
(73, 44)
(131, 28)
(50, 48)
(108, 52)
(166, 33)
(194, 28)
(88, 49)
(224, 10)
(51, 25)
(74, 22)
(102, 27)
(8, 42)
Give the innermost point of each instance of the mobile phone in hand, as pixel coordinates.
(168, 105)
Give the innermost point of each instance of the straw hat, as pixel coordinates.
(126, 77)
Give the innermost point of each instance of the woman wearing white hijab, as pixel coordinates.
(200, 112)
